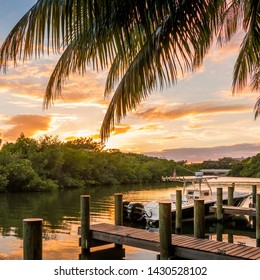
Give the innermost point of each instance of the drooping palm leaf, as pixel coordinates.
(244, 13)
(144, 43)
(178, 45)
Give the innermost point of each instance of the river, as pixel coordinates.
(61, 215)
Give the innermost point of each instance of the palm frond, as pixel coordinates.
(39, 26)
(230, 20)
(80, 53)
(249, 56)
(177, 45)
(50, 25)
(145, 44)
(257, 108)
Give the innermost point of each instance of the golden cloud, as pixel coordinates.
(30, 81)
(203, 108)
(28, 124)
(170, 138)
(121, 129)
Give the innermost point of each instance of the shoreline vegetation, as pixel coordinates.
(48, 164)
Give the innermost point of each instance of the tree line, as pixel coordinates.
(50, 164)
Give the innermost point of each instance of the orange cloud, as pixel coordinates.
(203, 108)
(30, 81)
(28, 124)
(170, 138)
(121, 129)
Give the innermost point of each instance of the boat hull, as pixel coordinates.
(148, 213)
(152, 217)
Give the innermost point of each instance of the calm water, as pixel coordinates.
(60, 212)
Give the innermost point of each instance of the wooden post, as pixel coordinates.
(178, 214)
(32, 239)
(118, 209)
(231, 195)
(230, 238)
(118, 213)
(85, 223)
(254, 191)
(219, 229)
(165, 227)
(219, 214)
(258, 220)
(199, 218)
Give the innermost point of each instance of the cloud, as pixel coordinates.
(202, 108)
(149, 127)
(134, 129)
(30, 80)
(213, 153)
(121, 129)
(28, 124)
(218, 54)
(170, 138)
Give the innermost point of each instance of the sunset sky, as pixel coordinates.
(197, 119)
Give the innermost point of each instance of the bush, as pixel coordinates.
(37, 184)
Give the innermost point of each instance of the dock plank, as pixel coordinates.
(183, 246)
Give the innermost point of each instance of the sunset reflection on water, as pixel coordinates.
(61, 215)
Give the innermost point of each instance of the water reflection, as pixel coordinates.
(61, 214)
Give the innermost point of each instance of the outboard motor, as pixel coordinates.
(135, 211)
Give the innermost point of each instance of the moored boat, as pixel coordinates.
(198, 188)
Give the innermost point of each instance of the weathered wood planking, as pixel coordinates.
(234, 210)
(184, 246)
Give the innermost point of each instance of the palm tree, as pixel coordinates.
(145, 44)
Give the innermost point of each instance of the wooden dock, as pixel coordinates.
(185, 247)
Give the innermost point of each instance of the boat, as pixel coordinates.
(194, 187)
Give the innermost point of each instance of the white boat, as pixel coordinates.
(199, 189)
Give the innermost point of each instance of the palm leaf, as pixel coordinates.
(247, 15)
(177, 45)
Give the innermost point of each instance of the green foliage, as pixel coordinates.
(3, 179)
(222, 163)
(85, 143)
(20, 174)
(49, 164)
(249, 167)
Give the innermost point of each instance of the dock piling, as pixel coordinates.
(254, 192)
(178, 215)
(230, 238)
(199, 218)
(258, 220)
(165, 228)
(85, 223)
(231, 195)
(219, 231)
(219, 214)
(118, 209)
(118, 213)
(32, 239)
